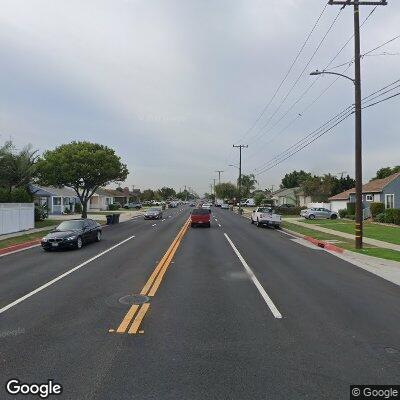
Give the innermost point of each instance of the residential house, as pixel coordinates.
(57, 200)
(292, 196)
(124, 196)
(100, 200)
(386, 191)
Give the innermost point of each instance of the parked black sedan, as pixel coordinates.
(72, 234)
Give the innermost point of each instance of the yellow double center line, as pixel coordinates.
(150, 288)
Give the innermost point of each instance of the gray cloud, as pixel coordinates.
(172, 85)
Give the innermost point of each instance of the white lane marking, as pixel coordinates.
(169, 216)
(219, 225)
(288, 234)
(46, 285)
(163, 220)
(154, 225)
(256, 282)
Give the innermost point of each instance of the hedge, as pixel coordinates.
(343, 213)
(351, 208)
(289, 210)
(392, 216)
(113, 207)
(376, 208)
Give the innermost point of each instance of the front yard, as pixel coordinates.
(344, 243)
(390, 234)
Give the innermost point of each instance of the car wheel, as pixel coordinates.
(251, 221)
(79, 243)
(209, 225)
(333, 216)
(98, 236)
(312, 216)
(258, 223)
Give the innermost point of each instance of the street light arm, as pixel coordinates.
(332, 73)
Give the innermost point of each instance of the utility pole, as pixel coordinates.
(219, 175)
(357, 104)
(240, 147)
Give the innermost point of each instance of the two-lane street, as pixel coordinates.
(238, 312)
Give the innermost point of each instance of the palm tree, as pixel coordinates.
(248, 184)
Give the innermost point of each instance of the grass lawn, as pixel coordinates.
(46, 222)
(380, 232)
(23, 238)
(345, 243)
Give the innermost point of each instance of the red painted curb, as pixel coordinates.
(324, 245)
(19, 246)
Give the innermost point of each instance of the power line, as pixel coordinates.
(302, 72)
(314, 135)
(314, 81)
(287, 73)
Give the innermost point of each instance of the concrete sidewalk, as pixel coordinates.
(373, 242)
(125, 216)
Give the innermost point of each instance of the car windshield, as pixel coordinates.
(70, 225)
(265, 209)
(154, 209)
(200, 211)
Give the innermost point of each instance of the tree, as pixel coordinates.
(386, 171)
(166, 193)
(226, 190)
(294, 179)
(184, 195)
(17, 168)
(259, 198)
(147, 195)
(82, 166)
(248, 184)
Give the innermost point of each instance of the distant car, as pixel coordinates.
(72, 234)
(206, 205)
(153, 213)
(318, 212)
(192, 204)
(138, 206)
(200, 216)
(173, 204)
(225, 206)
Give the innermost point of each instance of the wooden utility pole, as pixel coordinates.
(357, 104)
(240, 147)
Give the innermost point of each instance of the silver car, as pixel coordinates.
(318, 212)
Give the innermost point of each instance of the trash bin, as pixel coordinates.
(115, 218)
(109, 219)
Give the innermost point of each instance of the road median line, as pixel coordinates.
(151, 286)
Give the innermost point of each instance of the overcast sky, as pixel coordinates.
(171, 85)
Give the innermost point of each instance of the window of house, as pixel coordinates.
(389, 200)
(369, 197)
(66, 201)
(56, 201)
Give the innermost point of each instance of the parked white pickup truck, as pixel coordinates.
(265, 216)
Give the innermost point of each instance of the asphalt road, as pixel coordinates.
(240, 313)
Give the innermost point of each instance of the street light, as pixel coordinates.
(358, 150)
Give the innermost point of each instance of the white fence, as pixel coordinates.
(319, 205)
(16, 217)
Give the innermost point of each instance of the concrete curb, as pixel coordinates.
(316, 242)
(20, 246)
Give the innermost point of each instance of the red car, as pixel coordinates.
(200, 216)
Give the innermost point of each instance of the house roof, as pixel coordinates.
(285, 191)
(52, 191)
(375, 186)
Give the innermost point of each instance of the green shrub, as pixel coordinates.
(376, 208)
(113, 207)
(343, 213)
(351, 208)
(289, 210)
(353, 217)
(78, 208)
(380, 217)
(392, 216)
(40, 213)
